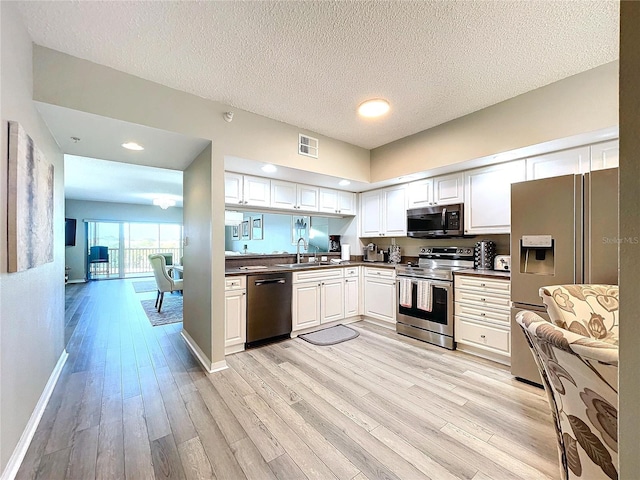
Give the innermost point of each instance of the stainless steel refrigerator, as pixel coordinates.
(564, 230)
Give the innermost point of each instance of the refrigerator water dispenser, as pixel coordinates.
(537, 254)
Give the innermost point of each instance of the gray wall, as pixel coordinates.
(81, 210)
(31, 302)
(629, 395)
(198, 251)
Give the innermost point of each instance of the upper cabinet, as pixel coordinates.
(292, 196)
(488, 197)
(384, 212)
(555, 164)
(249, 191)
(337, 201)
(442, 190)
(246, 190)
(605, 155)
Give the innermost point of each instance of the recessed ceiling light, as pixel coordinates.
(164, 202)
(374, 107)
(269, 168)
(344, 183)
(132, 146)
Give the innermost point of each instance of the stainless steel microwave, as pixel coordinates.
(439, 221)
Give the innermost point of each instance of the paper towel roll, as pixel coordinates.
(346, 252)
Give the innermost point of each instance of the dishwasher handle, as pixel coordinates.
(271, 280)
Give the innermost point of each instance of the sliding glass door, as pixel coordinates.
(129, 246)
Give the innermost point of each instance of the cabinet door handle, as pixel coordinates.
(482, 314)
(483, 336)
(483, 285)
(482, 299)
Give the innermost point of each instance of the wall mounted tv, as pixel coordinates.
(69, 232)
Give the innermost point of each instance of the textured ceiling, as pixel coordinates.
(311, 63)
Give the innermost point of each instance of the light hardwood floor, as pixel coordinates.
(132, 403)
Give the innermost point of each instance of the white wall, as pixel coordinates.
(582, 103)
(31, 302)
(75, 257)
(629, 394)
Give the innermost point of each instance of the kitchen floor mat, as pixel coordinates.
(330, 336)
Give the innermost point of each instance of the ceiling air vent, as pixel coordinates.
(307, 146)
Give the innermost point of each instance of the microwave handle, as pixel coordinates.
(444, 219)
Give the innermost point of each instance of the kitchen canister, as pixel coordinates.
(345, 253)
(395, 254)
(485, 252)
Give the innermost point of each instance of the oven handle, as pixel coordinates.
(435, 283)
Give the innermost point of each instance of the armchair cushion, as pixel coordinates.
(588, 310)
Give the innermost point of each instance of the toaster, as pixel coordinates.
(502, 262)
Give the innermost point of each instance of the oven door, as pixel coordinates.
(439, 319)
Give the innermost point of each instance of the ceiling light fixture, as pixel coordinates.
(164, 202)
(344, 183)
(75, 139)
(132, 146)
(269, 168)
(374, 107)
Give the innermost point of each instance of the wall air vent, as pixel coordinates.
(307, 146)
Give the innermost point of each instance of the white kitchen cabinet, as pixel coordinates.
(235, 309)
(384, 212)
(318, 297)
(487, 197)
(442, 190)
(305, 305)
(293, 196)
(337, 201)
(331, 300)
(246, 190)
(352, 292)
(555, 164)
(380, 294)
(605, 155)
(483, 316)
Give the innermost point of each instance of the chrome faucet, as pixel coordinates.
(304, 245)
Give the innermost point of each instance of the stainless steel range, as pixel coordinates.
(425, 294)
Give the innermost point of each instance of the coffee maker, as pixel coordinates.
(371, 253)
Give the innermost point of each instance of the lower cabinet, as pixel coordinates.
(351, 297)
(235, 310)
(318, 297)
(380, 294)
(483, 317)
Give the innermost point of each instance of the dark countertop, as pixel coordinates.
(311, 266)
(484, 273)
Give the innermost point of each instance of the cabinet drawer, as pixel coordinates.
(481, 299)
(482, 284)
(483, 336)
(351, 271)
(235, 283)
(380, 272)
(323, 274)
(498, 316)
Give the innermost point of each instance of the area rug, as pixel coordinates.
(171, 310)
(330, 336)
(146, 286)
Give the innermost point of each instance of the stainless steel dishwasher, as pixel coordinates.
(268, 307)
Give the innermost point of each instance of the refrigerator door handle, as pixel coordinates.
(581, 228)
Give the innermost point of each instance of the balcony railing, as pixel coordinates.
(136, 261)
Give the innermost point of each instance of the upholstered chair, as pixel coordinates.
(164, 282)
(580, 376)
(589, 310)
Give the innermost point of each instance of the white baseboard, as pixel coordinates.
(204, 360)
(20, 451)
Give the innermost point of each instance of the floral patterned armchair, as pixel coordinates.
(580, 376)
(589, 310)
